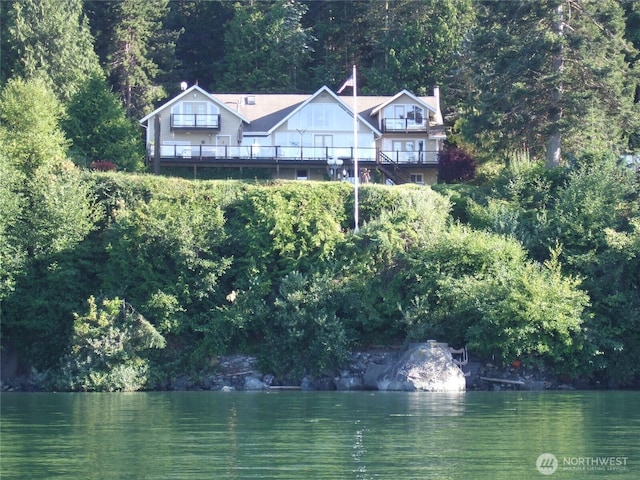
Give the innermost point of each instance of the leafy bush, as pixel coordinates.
(427, 309)
(30, 136)
(588, 209)
(165, 255)
(532, 312)
(304, 335)
(107, 347)
(52, 215)
(103, 166)
(12, 257)
(478, 289)
(275, 230)
(222, 265)
(613, 279)
(456, 165)
(98, 127)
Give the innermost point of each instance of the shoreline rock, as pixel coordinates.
(380, 368)
(425, 367)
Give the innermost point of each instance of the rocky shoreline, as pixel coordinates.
(241, 373)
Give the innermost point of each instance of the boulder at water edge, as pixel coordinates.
(427, 367)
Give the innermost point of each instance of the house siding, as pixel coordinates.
(302, 136)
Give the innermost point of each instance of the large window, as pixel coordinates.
(320, 116)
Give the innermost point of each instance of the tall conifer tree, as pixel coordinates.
(550, 76)
(413, 44)
(137, 46)
(48, 39)
(266, 47)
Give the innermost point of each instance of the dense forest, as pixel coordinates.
(116, 281)
(520, 75)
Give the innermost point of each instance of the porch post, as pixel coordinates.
(156, 143)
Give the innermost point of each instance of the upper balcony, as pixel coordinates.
(404, 125)
(195, 121)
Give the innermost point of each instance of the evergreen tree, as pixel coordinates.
(340, 33)
(136, 48)
(266, 47)
(50, 39)
(549, 73)
(200, 48)
(97, 125)
(632, 11)
(413, 44)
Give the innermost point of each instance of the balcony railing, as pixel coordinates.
(195, 121)
(404, 125)
(213, 153)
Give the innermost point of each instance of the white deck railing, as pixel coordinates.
(292, 153)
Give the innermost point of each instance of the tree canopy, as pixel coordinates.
(30, 133)
(48, 39)
(97, 125)
(550, 71)
(530, 260)
(267, 47)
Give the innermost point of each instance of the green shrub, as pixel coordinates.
(479, 289)
(218, 266)
(531, 312)
(107, 348)
(304, 335)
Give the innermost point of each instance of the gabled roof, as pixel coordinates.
(176, 99)
(424, 101)
(264, 113)
(348, 108)
(267, 112)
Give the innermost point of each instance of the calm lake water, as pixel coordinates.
(320, 435)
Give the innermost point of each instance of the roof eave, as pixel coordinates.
(308, 100)
(184, 94)
(398, 95)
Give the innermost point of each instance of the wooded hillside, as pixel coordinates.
(118, 280)
(123, 281)
(551, 77)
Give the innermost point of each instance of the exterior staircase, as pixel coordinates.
(392, 170)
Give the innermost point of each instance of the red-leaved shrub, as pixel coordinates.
(103, 165)
(456, 165)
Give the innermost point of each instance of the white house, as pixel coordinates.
(298, 136)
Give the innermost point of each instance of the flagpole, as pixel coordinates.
(356, 172)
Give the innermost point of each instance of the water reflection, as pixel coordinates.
(359, 451)
(436, 404)
(296, 435)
